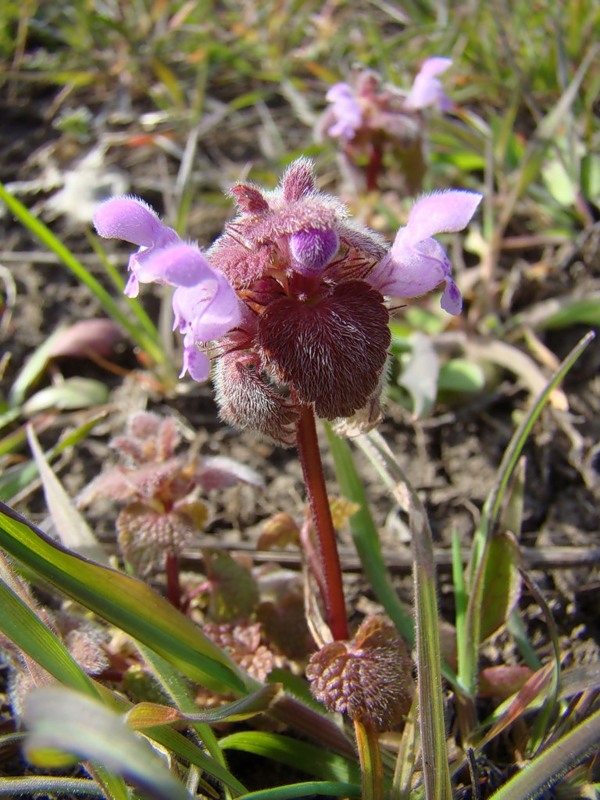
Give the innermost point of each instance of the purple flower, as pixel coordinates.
(417, 263)
(313, 249)
(346, 111)
(205, 305)
(427, 90)
(131, 219)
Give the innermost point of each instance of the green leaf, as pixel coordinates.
(585, 311)
(590, 177)
(461, 375)
(234, 591)
(294, 753)
(501, 584)
(62, 721)
(125, 602)
(72, 529)
(70, 394)
(32, 369)
(147, 715)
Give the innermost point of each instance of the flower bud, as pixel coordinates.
(313, 249)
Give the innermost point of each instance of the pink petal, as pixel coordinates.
(339, 91)
(451, 300)
(130, 219)
(196, 363)
(346, 110)
(206, 311)
(427, 90)
(178, 265)
(441, 212)
(434, 66)
(410, 271)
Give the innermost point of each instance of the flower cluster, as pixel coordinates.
(367, 118)
(294, 293)
(367, 107)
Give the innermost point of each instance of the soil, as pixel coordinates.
(452, 457)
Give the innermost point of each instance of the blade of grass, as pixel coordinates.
(436, 773)
(294, 753)
(468, 659)
(25, 629)
(549, 767)
(125, 602)
(34, 785)
(308, 789)
(71, 527)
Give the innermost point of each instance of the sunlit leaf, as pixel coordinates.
(72, 529)
(70, 394)
(501, 584)
(61, 721)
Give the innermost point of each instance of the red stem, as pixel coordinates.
(312, 467)
(173, 585)
(374, 166)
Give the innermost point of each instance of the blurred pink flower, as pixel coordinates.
(345, 110)
(427, 89)
(417, 263)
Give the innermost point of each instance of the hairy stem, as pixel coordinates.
(371, 767)
(312, 468)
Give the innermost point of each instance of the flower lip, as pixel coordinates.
(132, 220)
(205, 305)
(417, 263)
(427, 89)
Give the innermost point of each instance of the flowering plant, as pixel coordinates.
(367, 119)
(292, 295)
